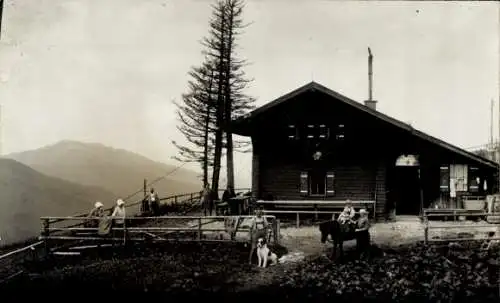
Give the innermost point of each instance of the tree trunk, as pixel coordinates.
(220, 113)
(207, 132)
(228, 105)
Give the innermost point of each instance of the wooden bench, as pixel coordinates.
(320, 206)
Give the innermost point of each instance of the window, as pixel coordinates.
(324, 132)
(292, 132)
(317, 131)
(340, 135)
(317, 183)
(310, 131)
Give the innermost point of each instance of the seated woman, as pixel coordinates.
(96, 213)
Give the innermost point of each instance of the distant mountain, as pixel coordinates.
(119, 171)
(26, 195)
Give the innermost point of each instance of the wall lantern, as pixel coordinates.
(317, 155)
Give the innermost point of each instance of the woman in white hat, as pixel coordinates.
(94, 215)
(119, 212)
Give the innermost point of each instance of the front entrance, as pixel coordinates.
(317, 182)
(405, 189)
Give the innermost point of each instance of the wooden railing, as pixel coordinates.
(431, 212)
(132, 231)
(316, 205)
(134, 206)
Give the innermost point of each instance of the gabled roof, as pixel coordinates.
(313, 86)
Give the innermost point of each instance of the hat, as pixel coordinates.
(119, 202)
(363, 211)
(98, 204)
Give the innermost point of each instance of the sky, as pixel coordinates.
(107, 71)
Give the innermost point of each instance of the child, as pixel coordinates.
(347, 214)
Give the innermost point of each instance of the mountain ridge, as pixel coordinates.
(26, 195)
(115, 169)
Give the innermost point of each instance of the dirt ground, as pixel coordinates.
(304, 243)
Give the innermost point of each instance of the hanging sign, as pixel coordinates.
(407, 160)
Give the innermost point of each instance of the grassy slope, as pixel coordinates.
(119, 171)
(26, 194)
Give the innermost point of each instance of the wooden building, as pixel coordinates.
(316, 144)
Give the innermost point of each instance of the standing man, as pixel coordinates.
(154, 202)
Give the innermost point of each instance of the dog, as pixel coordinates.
(264, 254)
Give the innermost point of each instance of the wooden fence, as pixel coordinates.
(132, 231)
(429, 213)
(36, 246)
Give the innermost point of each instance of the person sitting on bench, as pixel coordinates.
(96, 213)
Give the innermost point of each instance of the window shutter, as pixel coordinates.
(459, 173)
(473, 179)
(444, 178)
(330, 183)
(304, 183)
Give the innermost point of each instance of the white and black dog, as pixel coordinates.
(264, 254)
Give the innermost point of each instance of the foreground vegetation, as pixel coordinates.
(413, 273)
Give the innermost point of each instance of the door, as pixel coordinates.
(407, 190)
(317, 182)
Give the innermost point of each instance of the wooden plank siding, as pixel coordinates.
(381, 191)
(282, 182)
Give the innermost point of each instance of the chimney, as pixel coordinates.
(370, 102)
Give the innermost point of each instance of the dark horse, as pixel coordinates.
(339, 234)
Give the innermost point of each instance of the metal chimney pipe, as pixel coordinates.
(370, 74)
(370, 102)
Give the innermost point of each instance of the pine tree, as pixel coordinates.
(226, 26)
(236, 101)
(196, 116)
(216, 96)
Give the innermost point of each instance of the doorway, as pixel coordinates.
(406, 190)
(317, 182)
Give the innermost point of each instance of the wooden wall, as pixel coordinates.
(282, 182)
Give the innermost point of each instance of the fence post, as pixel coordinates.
(199, 228)
(298, 220)
(426, 229)
(276, 230)
(46, 233)
(124, 232)
(316, 212)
